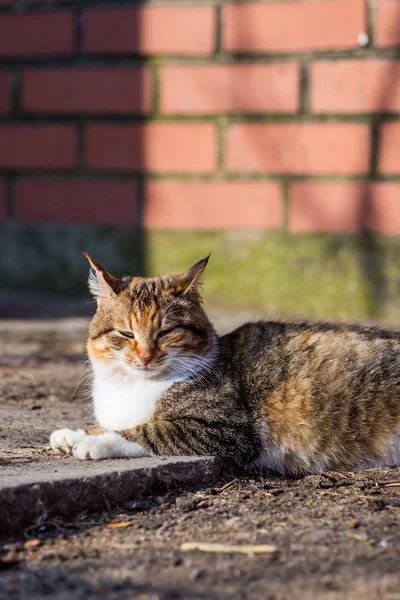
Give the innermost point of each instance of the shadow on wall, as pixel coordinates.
(49, 255)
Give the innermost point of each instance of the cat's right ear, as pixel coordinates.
(101, 283)
(192, 279)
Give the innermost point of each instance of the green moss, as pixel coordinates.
(340, 277)
(323, 276)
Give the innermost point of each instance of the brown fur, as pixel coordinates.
(297, 396)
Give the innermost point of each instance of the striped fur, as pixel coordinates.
(295, 397)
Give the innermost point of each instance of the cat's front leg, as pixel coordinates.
(94, 444)
(63, 441)
(107, 445)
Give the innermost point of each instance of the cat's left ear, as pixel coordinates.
(193, 278)
(101, 283)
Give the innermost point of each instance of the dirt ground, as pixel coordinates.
(336, 535)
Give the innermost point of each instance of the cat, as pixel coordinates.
(289, 396)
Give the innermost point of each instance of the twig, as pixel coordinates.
(228, 548)
(226, 486)
(124, 546)
(390, 484)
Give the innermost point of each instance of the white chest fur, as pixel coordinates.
(122, 404)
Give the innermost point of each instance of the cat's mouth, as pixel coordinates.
(145, 370)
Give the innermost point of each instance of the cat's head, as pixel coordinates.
(149, 327)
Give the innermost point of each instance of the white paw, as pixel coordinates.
(63, 440)
(107, 445)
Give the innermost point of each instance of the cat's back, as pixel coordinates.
(261, 340)
(322, 390)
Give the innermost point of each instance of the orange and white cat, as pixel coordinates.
(295, 397)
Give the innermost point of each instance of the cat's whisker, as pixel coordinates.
(83, 380)
(204, 363)
(187, 368)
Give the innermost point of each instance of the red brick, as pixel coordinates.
(387, 31)
(3, 201)
(39, 34)
(44, 147)
(216, 205)
(315, 148)
(87, 90)
(355, 86)
(345, 208)
(158, 147)
(230, 88)
(152, 30)
(97, 202)
(389, 157)
(5, 92)
(293, 26)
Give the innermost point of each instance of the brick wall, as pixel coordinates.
(201, 115)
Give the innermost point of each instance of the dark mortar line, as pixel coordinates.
(23, 118)
(304, 92)
(217, 176)
(370, 18)
(218, 31)
(357, 53)
(375, 148)
(79, 31)
(115, 60)
(155, 92)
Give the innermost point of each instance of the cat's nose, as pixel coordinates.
(145, 357)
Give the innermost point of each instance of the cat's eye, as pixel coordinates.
(127, 334)
(166, 332)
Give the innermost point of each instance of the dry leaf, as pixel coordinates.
(32, 543)
(206, 547)
(121, 525)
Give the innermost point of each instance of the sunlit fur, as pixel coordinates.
(294, 397)
(171, 334)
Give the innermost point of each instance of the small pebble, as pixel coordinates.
(196, 574)
(138, 505)
(100, 590)
(276, 491)
(185, 504)
(353, 524)
(32, 543)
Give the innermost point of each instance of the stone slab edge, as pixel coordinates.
(26, 505)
